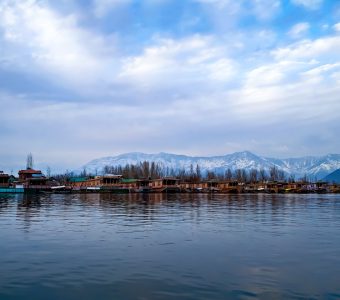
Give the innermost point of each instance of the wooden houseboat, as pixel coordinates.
(4, 180)
(165, 185)
(33, 180)
(230, 186)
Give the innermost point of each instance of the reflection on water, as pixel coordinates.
(169, 246)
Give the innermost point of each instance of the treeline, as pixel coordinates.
(154, 170)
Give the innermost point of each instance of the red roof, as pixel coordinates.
(29, 171)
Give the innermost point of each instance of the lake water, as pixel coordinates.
(175, 246)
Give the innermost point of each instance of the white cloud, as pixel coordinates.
(325, 47)
(274, 110)
(176, 62)
(266, 9)
(221, 86)
(299, 30)
(337, 27)
(267, 75)
(261, 9)
(309, 4)
(102, 7)
(55, 44)
(322, 69)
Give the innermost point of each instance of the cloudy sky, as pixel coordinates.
(81, 79)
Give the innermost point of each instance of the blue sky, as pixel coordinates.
(85, 79)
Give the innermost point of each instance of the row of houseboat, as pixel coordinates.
(30, 180)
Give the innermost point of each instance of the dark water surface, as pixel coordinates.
(180, 246)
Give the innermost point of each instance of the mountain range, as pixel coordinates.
(313, 166)
(333, 177)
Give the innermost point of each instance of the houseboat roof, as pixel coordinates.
(129, 180)
(77, 179)
(40, 175)
(37, 178)
(29, 171)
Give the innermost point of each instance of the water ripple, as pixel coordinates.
(158, 246)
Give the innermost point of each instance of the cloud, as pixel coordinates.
(324, 47)
(337, 27)
(45, 41)
(272, 74)
(299, 30)
(159, 88)
(265, 9)
(218, 3)
(190, 61)
(322, 69)
(275, 107)
(261, 9)
(309, 4)
(103, 7)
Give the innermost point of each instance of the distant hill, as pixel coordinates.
(313, 166)
(333, 177)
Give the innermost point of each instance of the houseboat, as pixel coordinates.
(165, 185)
(229, 186)
(33, 180)
(8, 184)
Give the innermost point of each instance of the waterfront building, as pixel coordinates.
(144, 184)
(294, 186)
(229, 186)
(130, 183)
(105, 181)
(189, 186)
(77, 182)
(32, 179)
(210, 185)
(166, 184)
(4, 180)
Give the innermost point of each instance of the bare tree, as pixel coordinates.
(291, 178)
(211, 175)
(48, 171)
(228, 174)
(244, 176)
(29, 161)
(83, 173)
(273, 173)
(198, 173)
(181, 174)
(281, 175)
(191, 173)
(304, 178)
(145, 169)
(263, 175)
(253, 175)
(238, 175)
(153, 170)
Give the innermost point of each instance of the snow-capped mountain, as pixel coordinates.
(315, 167)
